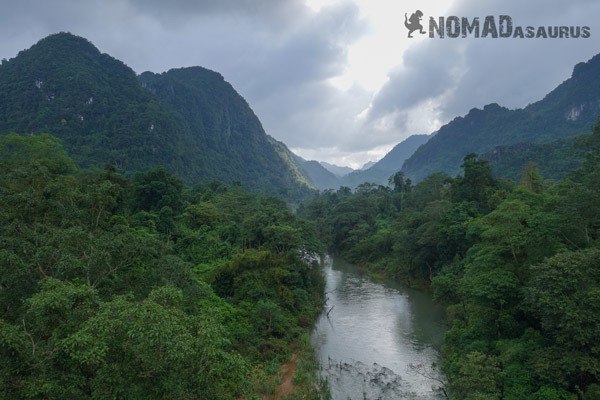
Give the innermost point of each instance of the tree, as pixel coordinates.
(399, 183)
(476, 182)
(152, 349)
(531, 178)
(564, 296)
(478, 378)
(156, 189)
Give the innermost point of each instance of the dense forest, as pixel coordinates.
(516, 265)
(554, 160)
(141, 288)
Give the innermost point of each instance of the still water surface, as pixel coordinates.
(380, 339)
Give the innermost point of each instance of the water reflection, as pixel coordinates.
(375, 336)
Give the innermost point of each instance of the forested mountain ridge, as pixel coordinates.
(508, 138)
(392, 162)
(293, 162)
(63, 85)
(336, 169)
(322, 177)
(570, 109)
(190, 119)
(394, 159)
(554, 160)
(223, 127)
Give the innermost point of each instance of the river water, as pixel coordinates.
(379, 340)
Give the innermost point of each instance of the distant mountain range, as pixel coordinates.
(570, 109)
(543, 132)
(193, 122)
(379, 172)
(367, 165)
(317, 174)
(336, 169)
(189, 119)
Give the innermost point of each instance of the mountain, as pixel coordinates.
(367, 165)
(190, 119)
(554, 160)
(336, 169)
(570, 109)
(294, 163)
(372, 175)
(392, 162)
(225, 129)
(320, 176)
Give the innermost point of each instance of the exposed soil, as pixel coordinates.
(287, 372)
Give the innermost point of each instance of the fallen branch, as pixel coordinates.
(330, 310)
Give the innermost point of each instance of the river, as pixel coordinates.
(380, 338)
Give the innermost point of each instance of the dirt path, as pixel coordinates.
(287, 372)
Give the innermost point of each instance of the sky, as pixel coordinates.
(335, 80)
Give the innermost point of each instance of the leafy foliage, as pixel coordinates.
(116, 287)
(553, 160)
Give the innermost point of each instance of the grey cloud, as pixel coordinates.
(316, 115)
(427, 73)
(278, 11)
(512, 72)
(313, 51)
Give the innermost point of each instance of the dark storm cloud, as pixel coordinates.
(276, 12)
(459, 74)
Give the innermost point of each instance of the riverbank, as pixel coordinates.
(298, 377)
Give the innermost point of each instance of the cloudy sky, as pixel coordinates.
(336, 80)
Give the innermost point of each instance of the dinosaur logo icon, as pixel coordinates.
(414, 23)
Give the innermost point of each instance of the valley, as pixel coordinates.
(156, 242)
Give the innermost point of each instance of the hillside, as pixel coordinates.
(380, 171)
(553, 160)
(336, 169)
(190, 120)
(393, 160)
(320, 176)
(570, 109)
(135, 287)
(226, 134)
(293, 163)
